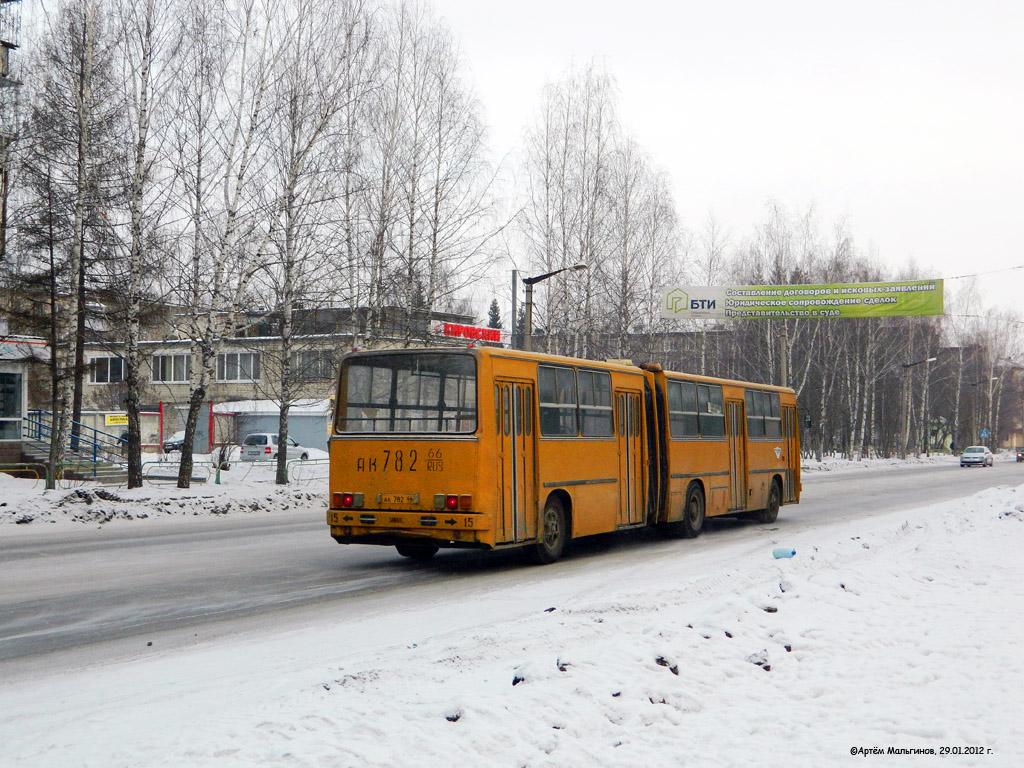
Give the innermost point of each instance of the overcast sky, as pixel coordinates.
(906, 117)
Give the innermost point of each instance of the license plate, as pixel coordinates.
(399, 498)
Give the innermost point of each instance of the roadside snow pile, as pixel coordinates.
(837, 464)
(25, 502)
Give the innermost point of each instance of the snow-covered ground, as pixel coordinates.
(903, 632)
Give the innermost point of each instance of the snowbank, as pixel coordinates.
(838, 464)
(247, 487)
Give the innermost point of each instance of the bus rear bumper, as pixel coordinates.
(393, 540)
(391, 527)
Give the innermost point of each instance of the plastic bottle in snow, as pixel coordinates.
(780, 552)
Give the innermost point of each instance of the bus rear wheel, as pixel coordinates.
(552, 536)
(771, 512)
(418, 552)
(693, 516)
(693, 513)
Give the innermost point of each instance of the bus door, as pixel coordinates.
(791, 436)
(517, 519)
(734, 416)
(631, 470)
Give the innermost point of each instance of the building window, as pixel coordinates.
(238, 366)
(106, 370)
(172, 368)
(312, 365)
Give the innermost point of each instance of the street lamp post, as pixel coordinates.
(528, 282)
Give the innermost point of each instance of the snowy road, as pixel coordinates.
(186, 581)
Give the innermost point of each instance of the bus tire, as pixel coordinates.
(692, 522)
(552, 535)
(418, 552)
(771, 512)
(693, 513)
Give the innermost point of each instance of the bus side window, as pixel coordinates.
(711, 410)
(682, 407)
(755, 414)
(772, 416)
(557, 401)
(595, 395)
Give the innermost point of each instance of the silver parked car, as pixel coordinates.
(976, 456)
(263, 446)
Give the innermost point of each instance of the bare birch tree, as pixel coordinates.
(427, 199)
(222, 91)
(308, 101)
(145, 57)
(645, 256)
(565, 220)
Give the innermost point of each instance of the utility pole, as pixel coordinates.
(10, 28)
(515, 316)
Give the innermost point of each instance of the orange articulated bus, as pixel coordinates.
(491, 448)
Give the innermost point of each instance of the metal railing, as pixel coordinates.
(83, 443)
(89, 450)
(161, 472)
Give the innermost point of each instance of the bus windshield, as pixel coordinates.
(408, 393)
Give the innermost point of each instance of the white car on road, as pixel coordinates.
(976, 456)
(263, 446)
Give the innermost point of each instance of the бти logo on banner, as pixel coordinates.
(694, 302)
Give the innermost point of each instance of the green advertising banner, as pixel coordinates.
(895, 299)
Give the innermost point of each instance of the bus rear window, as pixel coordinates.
(403, 393)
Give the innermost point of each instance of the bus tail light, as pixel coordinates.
(347, 500)
(452, 501)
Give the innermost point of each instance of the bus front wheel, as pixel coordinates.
(418, 552)
(552, 535)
